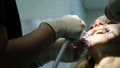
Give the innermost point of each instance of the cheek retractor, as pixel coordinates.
(109, 31)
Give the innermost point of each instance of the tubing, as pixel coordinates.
(60, 54)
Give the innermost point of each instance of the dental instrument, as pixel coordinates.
(60, 54)
(62, 50)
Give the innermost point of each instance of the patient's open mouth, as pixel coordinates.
(95, 32)
(102, 31)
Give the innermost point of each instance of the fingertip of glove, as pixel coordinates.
(83, 26)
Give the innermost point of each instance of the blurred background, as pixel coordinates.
(33, 12)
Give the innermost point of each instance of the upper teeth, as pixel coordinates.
(100, 32)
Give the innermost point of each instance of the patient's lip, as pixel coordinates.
(92, 32)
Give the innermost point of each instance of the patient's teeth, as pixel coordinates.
(100, 32)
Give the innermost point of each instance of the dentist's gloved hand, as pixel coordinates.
(69, 26)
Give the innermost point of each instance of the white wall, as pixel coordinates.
(76, 7)
(34, 9)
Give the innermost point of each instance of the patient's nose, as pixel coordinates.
(98, 23)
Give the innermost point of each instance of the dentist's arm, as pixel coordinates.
(21, 52)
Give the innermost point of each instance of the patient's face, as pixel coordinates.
(104, 32)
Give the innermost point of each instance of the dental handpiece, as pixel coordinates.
(60, 54)
(62, 50)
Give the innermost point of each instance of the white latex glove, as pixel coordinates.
(69, 26)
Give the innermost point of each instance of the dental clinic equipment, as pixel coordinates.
(110, 31)
(60, 54)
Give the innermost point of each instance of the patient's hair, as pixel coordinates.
(85, 61)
